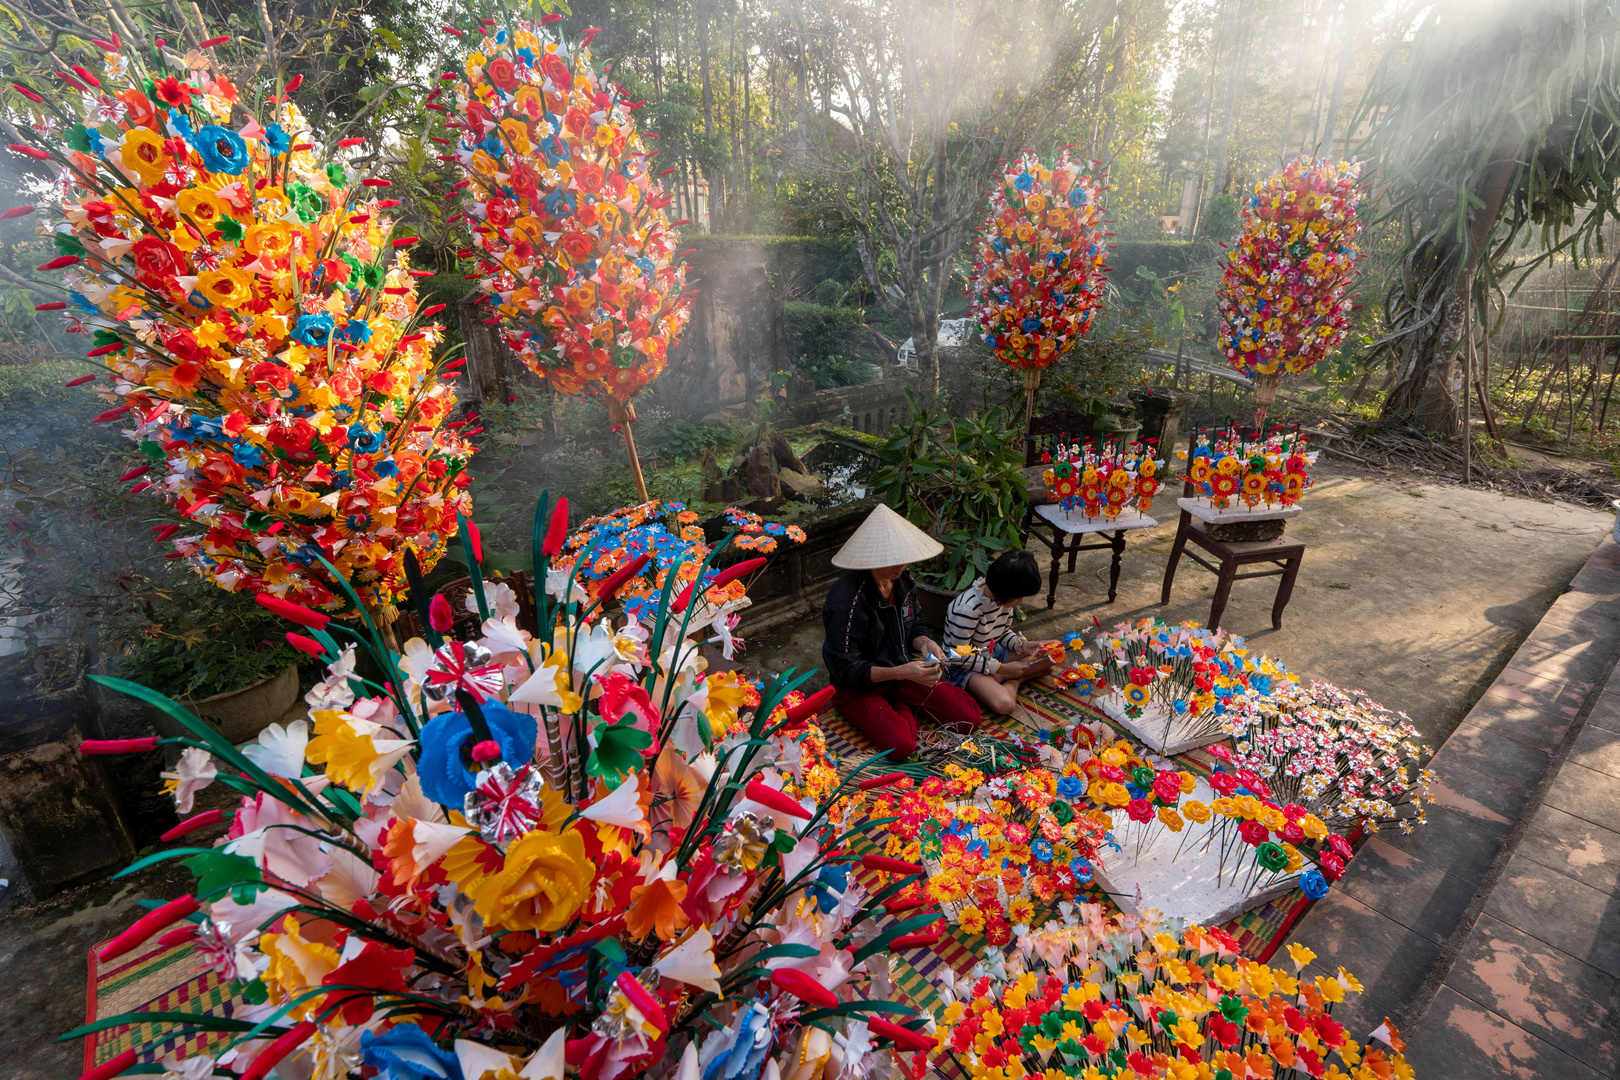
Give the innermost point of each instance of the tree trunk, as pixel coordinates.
(1426, 390)
(1333, 103)
(657, 58)
(1234, 85)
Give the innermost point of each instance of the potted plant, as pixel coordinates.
(228, 663)
(961, 480)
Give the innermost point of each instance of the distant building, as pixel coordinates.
(953, 333)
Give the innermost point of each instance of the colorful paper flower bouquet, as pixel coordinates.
(1040, 264)
(1103, 484)
(570, 236)
(1229, 467)
(577, 854)
(1088, 996)
(1176, 686)
(1285, 292)
(249, 296)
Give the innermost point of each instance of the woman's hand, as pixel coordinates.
(918, 671)
(928, 647)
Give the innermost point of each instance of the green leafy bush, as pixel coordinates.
(823, 342)
(199, 650)
(959, 479)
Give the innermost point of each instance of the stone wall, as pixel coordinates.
(60, 820)
(735, 341)
(874, 407)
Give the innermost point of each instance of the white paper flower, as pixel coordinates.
(195, 772)
(692, 962)
(502, 635)
(621, 806)
(280, 751)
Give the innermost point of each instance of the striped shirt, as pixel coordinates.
(976, 618)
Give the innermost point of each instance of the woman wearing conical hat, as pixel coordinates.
(873, 628)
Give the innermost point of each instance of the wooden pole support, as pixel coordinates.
(624, 416)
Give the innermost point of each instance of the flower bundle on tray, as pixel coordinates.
(1090, 997)
(575, 853)
(641, 549)
(1040, 266)
(251, 301)
(1349, 760)
(567, 220)
(1103, 483)
(1285, 290)
(1202, 681)
(1229, 463)
(992, 845)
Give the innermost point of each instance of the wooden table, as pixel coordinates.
(1283, 554)
(1067, 529)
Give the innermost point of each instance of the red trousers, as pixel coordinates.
(887, 714)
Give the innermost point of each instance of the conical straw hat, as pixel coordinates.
(885, 539)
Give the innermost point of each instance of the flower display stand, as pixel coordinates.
(1159, 729)
(1066, 531)
(1184, 884)
(1283, 555)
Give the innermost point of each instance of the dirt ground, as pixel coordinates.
(1417, 593)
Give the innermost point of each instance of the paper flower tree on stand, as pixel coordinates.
(1285, 292)
(576, 855)
(259, 323)
(571, 238)
(1040, 265)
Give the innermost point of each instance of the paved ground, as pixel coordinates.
(1416, 593)
(1493, 934)
(43, 955)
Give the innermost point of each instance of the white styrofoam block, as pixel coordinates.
(1206, 511)
(1183, 733)
(1184, 887)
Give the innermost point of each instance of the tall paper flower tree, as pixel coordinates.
(259, 324)
(1041, 264)
(1285, 293)
(568, 224)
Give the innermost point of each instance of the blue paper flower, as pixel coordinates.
(313, 330)
(404, 1052)
(1041, 848)
(357, 331)
(222, 150)
(365, 441)
(829, 886)
(1313, 884)
(444, 779)
(247, 454)
(276, 139)
(1082, 871)
(560, 204)
(1071, 787)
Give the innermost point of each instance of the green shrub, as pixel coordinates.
(823, 341)
(195, 650)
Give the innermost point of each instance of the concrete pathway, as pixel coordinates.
(1492, 935)
(1417, 593)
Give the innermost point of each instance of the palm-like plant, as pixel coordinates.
(1482, 129)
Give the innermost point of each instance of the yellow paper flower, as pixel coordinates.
(295, 965)
(545, 879)
(143, 155)
(726, 695)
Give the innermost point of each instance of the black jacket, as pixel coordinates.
(863, 630)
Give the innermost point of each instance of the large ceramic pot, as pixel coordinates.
(239, 715)
(933, 601)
